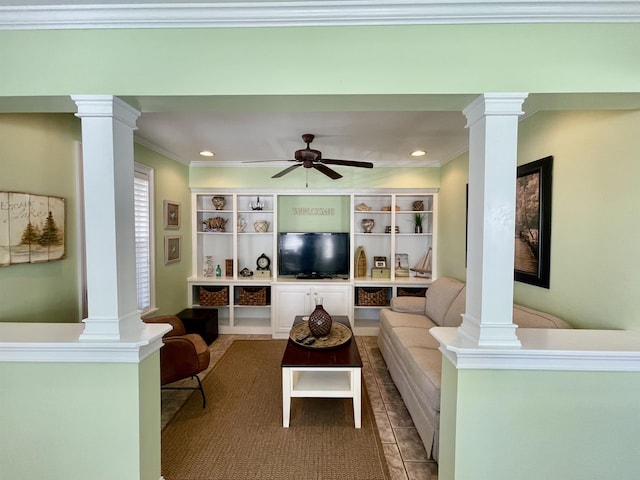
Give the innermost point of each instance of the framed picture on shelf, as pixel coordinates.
(171, 249)
(171, 215)
(402, 265)
(380, 262)
(533, 223)
(402, 260)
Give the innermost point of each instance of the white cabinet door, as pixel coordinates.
(292, 300)
(335, 299)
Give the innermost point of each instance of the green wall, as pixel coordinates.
(39, 154)
(96, 420)
(299, 179)
(363, 60)
(452, 218)
(594, 257)
(334, 217)
(594, 242)
(529, 424)
(171, 182)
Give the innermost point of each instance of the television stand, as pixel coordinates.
(313, 276)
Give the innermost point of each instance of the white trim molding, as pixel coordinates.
(547, 349)
(60, 342)
(166, 14)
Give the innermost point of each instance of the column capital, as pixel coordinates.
(106, 106)
(494, 104)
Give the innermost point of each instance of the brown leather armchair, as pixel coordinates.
(183, 355)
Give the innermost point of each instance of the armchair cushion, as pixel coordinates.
(183, 355)
(175, 322)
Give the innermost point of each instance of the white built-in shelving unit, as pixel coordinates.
(280, 299)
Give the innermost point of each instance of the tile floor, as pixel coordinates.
(406, 457)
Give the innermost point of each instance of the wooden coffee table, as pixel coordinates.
(326, 373)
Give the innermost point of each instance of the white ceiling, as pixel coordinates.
(384, 138)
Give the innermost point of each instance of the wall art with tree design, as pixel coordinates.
(32, 228)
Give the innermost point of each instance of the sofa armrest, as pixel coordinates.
(408, 304)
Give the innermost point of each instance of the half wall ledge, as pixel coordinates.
(60, 342)
(547, 349)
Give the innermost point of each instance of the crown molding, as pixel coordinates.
(284, 164)
(314, 13)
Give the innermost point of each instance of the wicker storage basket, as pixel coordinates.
(372, 296)
(252, 296)
(214, 296)
(412, 292)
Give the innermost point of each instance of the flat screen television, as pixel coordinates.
(313, 255)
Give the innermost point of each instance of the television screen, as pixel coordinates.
(313, 255)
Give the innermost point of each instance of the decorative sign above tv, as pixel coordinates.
(31, 228)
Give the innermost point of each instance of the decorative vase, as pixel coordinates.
(218, 202)
(320, 320)
(261, 226)
(367, 224)
(242, 224)
(418, 229)
(208, 266)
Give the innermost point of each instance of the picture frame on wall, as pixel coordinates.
(532, 260)
(172, 248)
(171, 215)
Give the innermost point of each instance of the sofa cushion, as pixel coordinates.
(529, 318)
(440, 296)
(397, 319)
(423, 366)
(408, 304)
(453, 318)
(416, 337)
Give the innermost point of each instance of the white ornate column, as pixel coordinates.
(107, 150)
(492, 120)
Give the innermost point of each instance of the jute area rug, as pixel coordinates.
(239, 436)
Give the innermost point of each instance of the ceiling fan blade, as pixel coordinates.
(265, 161)
(286, 170)
(348, 163)
(327, 171)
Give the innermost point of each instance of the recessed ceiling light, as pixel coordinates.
(207, 153)
(418, 153)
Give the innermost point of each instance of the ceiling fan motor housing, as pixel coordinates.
(308, 154)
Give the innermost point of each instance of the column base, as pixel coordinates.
(488, 334)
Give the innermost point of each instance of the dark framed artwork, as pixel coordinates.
(172, 249)
(171, 214)
(533, 223)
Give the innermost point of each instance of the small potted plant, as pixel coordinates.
(418, 218)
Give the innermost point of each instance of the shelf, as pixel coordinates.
(283, 303)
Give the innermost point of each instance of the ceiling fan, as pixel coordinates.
(310, 158)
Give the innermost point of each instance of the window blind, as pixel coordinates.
(142, 214)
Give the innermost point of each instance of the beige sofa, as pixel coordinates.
(412, 354)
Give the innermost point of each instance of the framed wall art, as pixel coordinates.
(533, 223)
(172, 249)
(171, 215)
(32, 228)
